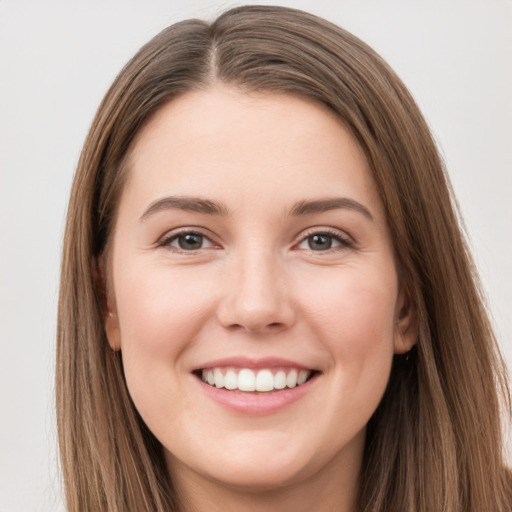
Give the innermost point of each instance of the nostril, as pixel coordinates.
(274, 326)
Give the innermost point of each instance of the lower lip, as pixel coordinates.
(253, 403)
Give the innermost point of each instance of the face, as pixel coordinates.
(254, 290)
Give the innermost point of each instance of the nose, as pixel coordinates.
(256, 297)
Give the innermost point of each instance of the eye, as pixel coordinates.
(319, 242)
(324, 241)
(186, 241)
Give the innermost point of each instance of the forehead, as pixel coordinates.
(269, 146)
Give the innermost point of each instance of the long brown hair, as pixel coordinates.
(435, 441)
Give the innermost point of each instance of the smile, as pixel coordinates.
(255, 386)
(259, 380)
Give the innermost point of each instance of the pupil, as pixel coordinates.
(319, 242)
(190, 241)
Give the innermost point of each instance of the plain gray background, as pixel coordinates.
(57, 60)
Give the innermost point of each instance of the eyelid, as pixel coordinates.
(345, 240)
(165, 240)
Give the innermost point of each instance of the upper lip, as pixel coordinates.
(249, 362)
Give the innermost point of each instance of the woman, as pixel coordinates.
(266, 300)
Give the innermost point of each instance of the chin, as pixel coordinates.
(250, 466)
(254, 477)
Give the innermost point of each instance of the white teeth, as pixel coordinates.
(303, 377)
(219, 378)
(246, 380)
(259, 380)
(231, 380)
(280, 380)
(264, 381)
(291, 379)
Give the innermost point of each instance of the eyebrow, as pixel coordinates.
(189, 204)
(208, 207)
(324, 205)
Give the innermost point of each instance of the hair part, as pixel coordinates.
(435, 441)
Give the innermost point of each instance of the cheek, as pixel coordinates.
(356, 319)
(355, 313)
(158, 309)
(160, 314)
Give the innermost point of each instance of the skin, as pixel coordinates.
(255, 288)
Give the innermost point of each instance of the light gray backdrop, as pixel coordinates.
(57, 60)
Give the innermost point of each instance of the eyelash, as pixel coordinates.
(344, 241)
(168, 239)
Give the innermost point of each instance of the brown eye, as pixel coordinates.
(190, 241)
(319, 242)
(186, 241)
(325, 241)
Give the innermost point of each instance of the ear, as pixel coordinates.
(107, 301)
(406, 323)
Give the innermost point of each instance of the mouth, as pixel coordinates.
(255, 381)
